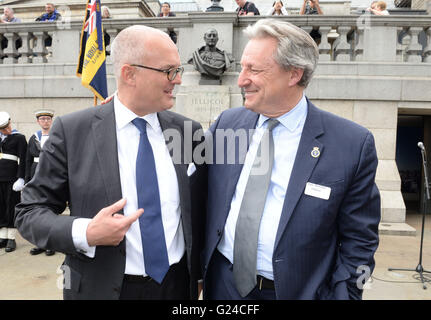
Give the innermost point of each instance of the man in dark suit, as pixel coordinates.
(166, 12)
(293, 209)
(130, 233)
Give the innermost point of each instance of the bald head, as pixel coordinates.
(130, 45)
(142, 59)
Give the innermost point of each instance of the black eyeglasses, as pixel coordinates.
(171, 73)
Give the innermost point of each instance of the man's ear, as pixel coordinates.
(295, 76)
(128, 74)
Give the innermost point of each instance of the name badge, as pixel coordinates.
(317, 191)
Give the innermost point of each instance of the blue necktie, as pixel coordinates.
(150, 222)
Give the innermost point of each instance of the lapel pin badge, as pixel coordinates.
(315, 153)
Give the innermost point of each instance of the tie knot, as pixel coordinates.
(141, 124)
(271, 124)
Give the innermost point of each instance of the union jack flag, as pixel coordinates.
(90, 24)
(91, 66)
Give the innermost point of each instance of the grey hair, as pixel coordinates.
(295, 47)
(107, 8)
(128, 48)
(11, 10)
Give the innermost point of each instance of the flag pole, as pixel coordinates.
(95, 100)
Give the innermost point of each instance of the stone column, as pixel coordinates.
(39, 49)
(324, 46)
(25, 50)
(343, 48)
(11, 48)
(65, 45)
(414, 50)
(380, 44)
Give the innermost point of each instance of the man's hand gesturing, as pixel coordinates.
(108, 227)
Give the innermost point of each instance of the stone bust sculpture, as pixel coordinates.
(210, 61)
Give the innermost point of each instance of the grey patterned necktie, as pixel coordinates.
(250, 214)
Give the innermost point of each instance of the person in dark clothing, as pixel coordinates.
(165, 13)
(312, 7)
(35, 144)
(13, 147)
(51, 14)
(246, 8)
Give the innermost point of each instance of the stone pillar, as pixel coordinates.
(25, 50)
(343, 48)
(39, 49)
(427, 50)
(414, 50)
(381, 119)
(380, 44)
(11, 51)
(65, 45)
(202, 103)
(324, 46)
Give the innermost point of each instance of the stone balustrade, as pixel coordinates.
(343, 38)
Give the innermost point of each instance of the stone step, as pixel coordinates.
(396, 229)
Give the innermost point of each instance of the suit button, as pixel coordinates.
(117, 290)
(218, 232)
(123, 252)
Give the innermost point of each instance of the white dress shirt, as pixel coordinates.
(43, 139)
(128, 143)
(286, 141)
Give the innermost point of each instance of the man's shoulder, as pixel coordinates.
(338, 124)
(234, 117)
(178, 118)
(82, 117)
(19, 135)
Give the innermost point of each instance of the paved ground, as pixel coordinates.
(38, 277)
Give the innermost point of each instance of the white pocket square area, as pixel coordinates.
(318, 191)
(191, 169)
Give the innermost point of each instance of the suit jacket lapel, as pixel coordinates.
(105, 137)
(303, 166)
(166, 123)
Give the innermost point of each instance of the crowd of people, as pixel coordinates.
(18, 162)
(50, 14)
(244, 8)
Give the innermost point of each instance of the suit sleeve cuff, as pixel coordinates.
(79, 231)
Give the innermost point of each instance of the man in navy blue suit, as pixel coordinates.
(293, 213)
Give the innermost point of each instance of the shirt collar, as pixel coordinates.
(124, 116)
(292, 119)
